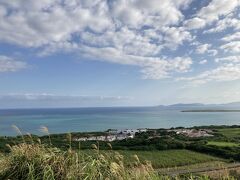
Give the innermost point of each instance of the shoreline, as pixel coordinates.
(104, 132)
(211, 110)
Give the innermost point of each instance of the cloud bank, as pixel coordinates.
(124, 32)
(128, 32)
(51, 100)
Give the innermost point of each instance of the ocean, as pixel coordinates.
(100, 119)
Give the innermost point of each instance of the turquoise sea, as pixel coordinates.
(100, 119)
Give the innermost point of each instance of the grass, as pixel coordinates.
(210, 165)
(223, 144)
(169, 158)
(165, 159)
(234, 172)
(37, 162)
(230, 132)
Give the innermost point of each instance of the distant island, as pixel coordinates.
(211, 110)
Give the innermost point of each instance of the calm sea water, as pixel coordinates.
(99, 119)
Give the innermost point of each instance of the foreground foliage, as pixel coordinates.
(57, 157)
(37, 162)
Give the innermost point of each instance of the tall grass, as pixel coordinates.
(39, 162)
(36, 161)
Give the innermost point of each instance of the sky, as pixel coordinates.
(78, 53)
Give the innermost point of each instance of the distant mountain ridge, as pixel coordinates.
(193, 106)
(184, 105)
(233, 104)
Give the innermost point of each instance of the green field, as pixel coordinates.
(230, 132)
(210, 164)
(170, 158)
(222, 144)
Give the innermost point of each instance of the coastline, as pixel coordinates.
(211, 110)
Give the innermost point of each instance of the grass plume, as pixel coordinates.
(45, 130)
(18, 131)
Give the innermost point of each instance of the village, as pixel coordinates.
(193, 133)
(115, 134)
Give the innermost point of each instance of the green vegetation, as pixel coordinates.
(222, 144)
(152, 140)
(170, 158)
(209, 164)
(230, 132)
(166, 158)
(59, 156)
(38, 162)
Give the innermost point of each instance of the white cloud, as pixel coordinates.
(231, 59)
(225, 23)
(232, 37)
(8, 64)
(152, 67)
(36, 100)
(133, 13)
(195, 23)
(210, 13)
(217, 8)
(112, 31)
(201, 49)
(212, 52)
(162, 69)
(175, 36)
(228, 69)
(225, 72)
(204, 49)
(48, 21)
(203, 61)
(53, 97)
(232, 47)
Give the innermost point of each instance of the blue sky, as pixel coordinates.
(72, 53)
